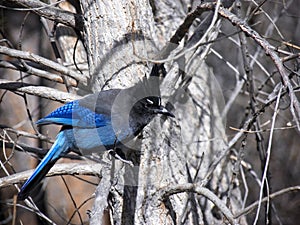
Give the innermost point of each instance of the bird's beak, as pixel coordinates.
(162, 110)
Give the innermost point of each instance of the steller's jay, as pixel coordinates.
(96, 123)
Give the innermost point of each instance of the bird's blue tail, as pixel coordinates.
(58, 149)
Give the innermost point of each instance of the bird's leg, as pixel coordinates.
(118, 154)
(114, 153)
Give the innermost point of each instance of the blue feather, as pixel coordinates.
(59, 148)
(75, 115)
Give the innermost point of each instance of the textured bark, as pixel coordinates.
(116, 36)
(176, 151)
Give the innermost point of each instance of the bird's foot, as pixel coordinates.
(117, 156)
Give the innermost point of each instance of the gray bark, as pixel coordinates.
(120, 37)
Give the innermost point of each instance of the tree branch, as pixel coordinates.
(58, 169)
(268, 50)
(41, 91)
(32, 71)
(52, 13)
(267, 198)
(42, 61)
(164, 193)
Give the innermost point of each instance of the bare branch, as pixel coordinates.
(32, 71)
(237, 136)
(93, 169)
(271, 196)
(52, 13)
(43, 61)
(41, 91)
(164, 193)
(269, 51)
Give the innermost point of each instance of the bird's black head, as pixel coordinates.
(136, 106)
(144, 110)
(152, 105)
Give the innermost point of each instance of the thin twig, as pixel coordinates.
(251, 207)
(269, 51)
(268, 156)
(236, 137)
(52, 13)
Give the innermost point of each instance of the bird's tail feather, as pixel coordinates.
(58, 149)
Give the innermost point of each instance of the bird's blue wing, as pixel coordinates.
(73, 114)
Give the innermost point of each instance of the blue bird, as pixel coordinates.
(96, 123)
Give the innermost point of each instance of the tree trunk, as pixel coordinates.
(119, 38)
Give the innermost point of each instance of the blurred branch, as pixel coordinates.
(271, 196)
(93, 169)
(41, 91)
(32, 71)
(290, 57)
(52, 13)
(43, 61)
